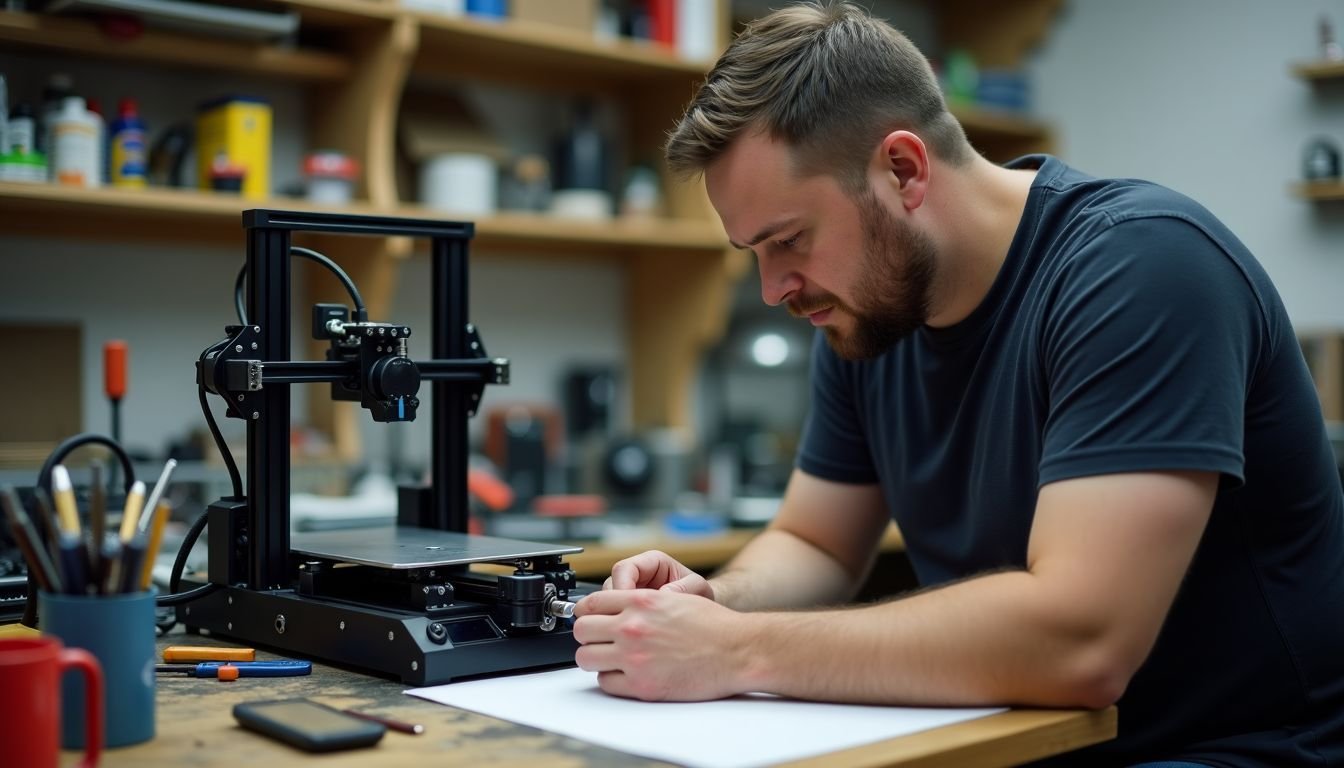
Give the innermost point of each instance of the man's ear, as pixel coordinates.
(905, 160)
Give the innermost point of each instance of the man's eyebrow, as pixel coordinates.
(768, 231)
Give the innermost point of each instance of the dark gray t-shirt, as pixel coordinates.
(1128, 330)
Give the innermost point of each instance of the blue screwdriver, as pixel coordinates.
(245, 668)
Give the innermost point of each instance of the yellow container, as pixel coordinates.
(235, 133)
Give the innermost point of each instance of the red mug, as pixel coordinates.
(30, 709)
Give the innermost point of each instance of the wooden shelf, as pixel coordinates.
(1319, 71)
(1319, 190)
(1002, 135)
(542, 56)
(186, 215)
(82, 37)
(993, 124)
(679, 271)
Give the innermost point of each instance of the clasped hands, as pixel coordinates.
(655, 633)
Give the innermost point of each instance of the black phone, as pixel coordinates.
(307, 725)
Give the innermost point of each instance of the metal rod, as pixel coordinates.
(268, 282)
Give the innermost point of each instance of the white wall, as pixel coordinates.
(1197, 95)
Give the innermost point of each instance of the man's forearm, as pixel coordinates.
(996, 639)
(778, 570)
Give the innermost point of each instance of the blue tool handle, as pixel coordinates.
(257, 668)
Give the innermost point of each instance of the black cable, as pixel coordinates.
(180, 563)
(69, 445)
(175, 598)
(361, 314)
(235, 479)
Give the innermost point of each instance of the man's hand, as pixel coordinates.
(657, 570)
(660, 645)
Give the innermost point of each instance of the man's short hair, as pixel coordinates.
(827, 79)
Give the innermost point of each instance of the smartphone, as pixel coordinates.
(307, 725)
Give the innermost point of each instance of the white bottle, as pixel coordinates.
(74, 144)
(697, 30)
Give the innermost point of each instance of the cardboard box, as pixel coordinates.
(577, 15)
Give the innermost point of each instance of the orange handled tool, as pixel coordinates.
(114, 369)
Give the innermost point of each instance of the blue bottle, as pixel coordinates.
(128, 166)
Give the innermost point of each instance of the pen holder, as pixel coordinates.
(119, 631)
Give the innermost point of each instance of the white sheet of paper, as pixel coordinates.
(745, 731)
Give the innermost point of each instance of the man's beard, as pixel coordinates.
(891, 299)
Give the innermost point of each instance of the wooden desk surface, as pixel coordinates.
(196, 729)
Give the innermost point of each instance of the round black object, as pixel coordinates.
(392, 377)
(1320, 161)
(437, 633)
(628, 466)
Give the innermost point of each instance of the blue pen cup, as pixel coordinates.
(119, 631)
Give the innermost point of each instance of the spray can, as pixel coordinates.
(128, 168)
(74, 141)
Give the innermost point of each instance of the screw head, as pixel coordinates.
(342, 626)
(256, 415)
(254, 345)
(389, 635)
(415, 665)
(238, 348)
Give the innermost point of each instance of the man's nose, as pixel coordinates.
(778, 282)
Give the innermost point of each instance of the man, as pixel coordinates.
(1081, 400)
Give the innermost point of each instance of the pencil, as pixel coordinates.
(152, 501)
(97, 517)
(64, 493)
(134, 501)
(415, 729)
(162, 512)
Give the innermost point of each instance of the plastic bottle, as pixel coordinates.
(22, 135)
(59, 86)
(128, 167)
(95, 110)
(74, 139)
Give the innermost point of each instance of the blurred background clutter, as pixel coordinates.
(653, 396)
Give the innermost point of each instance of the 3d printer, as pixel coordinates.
(396, 601)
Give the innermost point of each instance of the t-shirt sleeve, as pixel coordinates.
(1149, 348)
(833, 446)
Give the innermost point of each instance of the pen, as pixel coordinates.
(414, 729)
(74, 563)
(132, 557)
(39, 565)
(152, 501)
(97, 517)
(64, 494)
(108, 572)
(47, 526)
